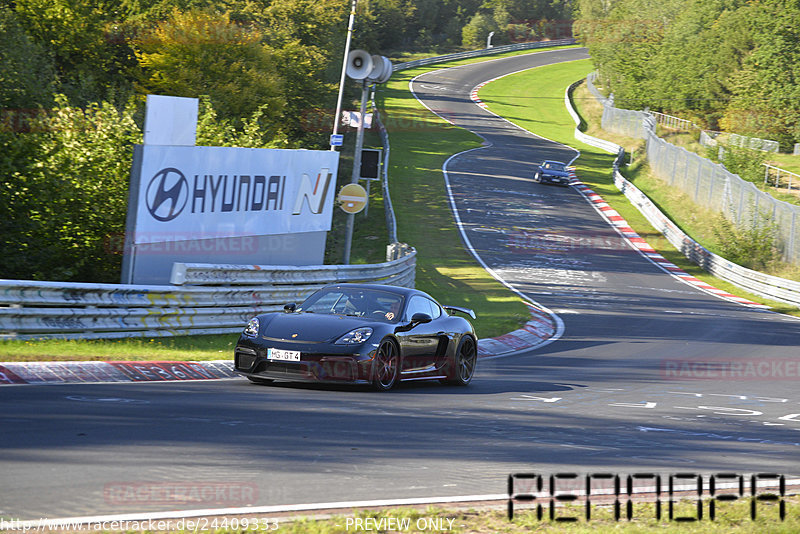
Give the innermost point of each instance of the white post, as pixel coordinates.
(350, 24)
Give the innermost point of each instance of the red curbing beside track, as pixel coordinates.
(637, 242)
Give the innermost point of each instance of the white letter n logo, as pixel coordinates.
(314, 192)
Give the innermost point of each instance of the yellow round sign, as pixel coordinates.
(352, 198)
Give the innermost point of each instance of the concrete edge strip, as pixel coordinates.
(364, 504)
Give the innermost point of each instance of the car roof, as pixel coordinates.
(553, 161)
(403, 291)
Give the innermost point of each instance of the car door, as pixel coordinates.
(421, 343)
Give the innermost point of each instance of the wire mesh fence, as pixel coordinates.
(709, 184)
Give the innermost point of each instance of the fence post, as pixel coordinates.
(790, 248)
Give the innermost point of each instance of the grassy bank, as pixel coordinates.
(542, 111)
(729, 518)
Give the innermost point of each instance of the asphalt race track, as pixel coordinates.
(614, 394)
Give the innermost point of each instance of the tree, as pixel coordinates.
(27, 73)
(87, 43)
(64, 212)
(204, 53)
(765, 99)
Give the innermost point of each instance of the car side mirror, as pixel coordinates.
(289, 308)
(421, 318)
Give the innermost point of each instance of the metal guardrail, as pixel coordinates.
(776, 176)
(36, 310)
(765, 285)
(482, 52)
(675, 123)
(608, 146)
(391, 220)
(396, 272)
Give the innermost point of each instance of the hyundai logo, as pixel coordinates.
(167, 194)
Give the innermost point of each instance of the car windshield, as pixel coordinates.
(553, 166)
(372, 304)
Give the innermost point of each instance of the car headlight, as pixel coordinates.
(355, 337)
(251, 330)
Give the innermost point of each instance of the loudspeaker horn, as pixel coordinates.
(359, 64)
(381, 71)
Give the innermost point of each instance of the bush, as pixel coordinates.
(747, 163)
(754, 247)
(66, 199)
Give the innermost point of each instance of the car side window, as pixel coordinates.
(417, 304)
(436, 310)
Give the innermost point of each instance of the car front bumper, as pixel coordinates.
(559, 180)
(312, 367)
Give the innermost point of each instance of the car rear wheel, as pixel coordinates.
(537, 177)
(386, 366)
(464, 362)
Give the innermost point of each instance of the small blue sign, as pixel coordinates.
(337, 139)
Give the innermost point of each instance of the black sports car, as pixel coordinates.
(553, 172)
(362, 334)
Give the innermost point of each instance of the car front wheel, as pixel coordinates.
(386, 366)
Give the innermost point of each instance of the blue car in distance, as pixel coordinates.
(552, 172)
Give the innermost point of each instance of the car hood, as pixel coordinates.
(307, 327)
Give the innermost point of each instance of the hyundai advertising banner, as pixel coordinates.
(221, 192)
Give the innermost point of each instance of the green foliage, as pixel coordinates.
(89, 46)
(747, 163)
(213, 130)
(65, 195)
(26, 70)
(734, 64)
(198, 52)
(475, 34)
(517, 21)
(753, 246)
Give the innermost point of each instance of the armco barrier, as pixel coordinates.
(391, 220)
(34, 310)
(765, 285)
(398, 272)
(482, 52)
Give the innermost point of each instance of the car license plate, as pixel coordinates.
(283, 355)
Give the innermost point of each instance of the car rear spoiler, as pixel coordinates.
(465, 311)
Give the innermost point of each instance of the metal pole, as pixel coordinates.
(350, 24)
(348, 236)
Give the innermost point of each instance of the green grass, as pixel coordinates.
(729, 518)
(544, 113)
(179, 348)
(786, 162)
